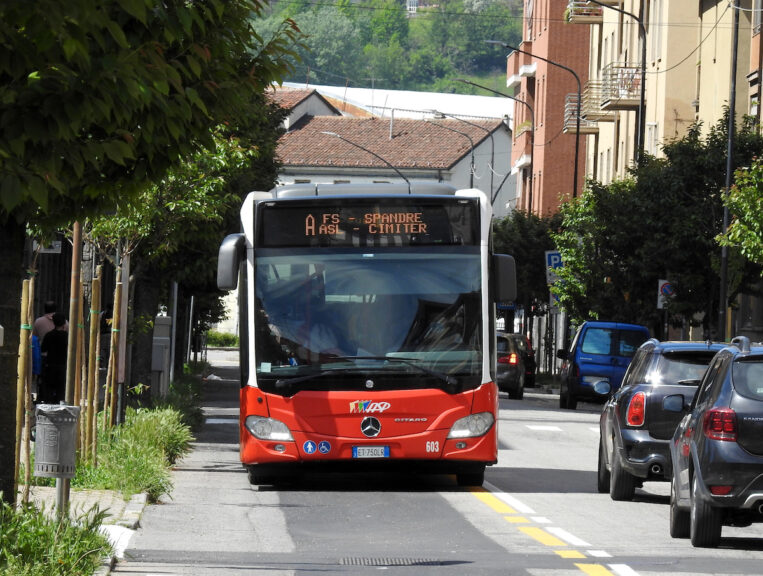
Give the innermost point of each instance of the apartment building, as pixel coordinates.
(656, 67)
(551, 60)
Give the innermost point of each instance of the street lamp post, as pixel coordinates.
(471, 142)
(374, 154)
(488, 132)
(642, 98)
(577, 116)
(532, 135)
(723, 294)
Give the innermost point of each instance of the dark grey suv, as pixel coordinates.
(717, 449)
(634, 428)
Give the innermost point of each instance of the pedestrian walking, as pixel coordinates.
(54, 347)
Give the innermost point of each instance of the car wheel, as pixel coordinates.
(705, 520)
(602, 476)
(679, 518)
(622, 484)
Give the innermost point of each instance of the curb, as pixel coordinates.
(122, 529)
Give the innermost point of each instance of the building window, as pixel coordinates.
(651, 138)
(756, 15)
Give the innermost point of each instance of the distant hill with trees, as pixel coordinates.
(379, 43)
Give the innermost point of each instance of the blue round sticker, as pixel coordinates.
(324, 447)
(309, 447)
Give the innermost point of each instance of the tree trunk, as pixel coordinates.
(12, 236)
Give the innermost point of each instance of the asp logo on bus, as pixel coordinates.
(368, 407)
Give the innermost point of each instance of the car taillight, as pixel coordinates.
(636, 409)
(722, 490)
(720, 424)
(510, 359)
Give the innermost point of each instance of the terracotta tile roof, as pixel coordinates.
(414, 143)
(288, 98)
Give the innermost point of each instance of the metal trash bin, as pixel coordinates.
(55, 444)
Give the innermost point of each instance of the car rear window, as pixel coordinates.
(675, 368)
(502, 344)
(597, 341)
(747, 376)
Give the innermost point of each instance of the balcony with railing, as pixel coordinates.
(583, 12)
(570, 117)
(621, 86)
(592, 99)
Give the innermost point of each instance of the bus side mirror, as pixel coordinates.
(228, 259)
(504, 278)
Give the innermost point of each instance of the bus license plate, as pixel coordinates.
(370, 451)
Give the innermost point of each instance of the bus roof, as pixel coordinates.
(370, 188)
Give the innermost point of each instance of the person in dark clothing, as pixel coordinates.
(54, 347)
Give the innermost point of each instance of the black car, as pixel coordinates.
(528, 356)
(717, 449)
(634, 429)
(510, 366)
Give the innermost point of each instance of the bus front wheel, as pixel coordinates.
(471, 477)
(258, 477)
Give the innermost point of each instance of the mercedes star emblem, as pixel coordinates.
(370, 427)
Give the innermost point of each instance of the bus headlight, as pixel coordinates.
(267, 428)
(472, 426)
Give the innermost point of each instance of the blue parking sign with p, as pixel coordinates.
(553, 261)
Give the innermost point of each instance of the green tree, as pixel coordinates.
(745, 204)
(96, 102)
(389, 22)
(527, 237)
(332, 53)
(618, 241)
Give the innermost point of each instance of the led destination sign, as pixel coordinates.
(362, 223)
(374, 223)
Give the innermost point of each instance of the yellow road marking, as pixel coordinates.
(496, 504)
(594, 569)
(542, 536)
(570, 554)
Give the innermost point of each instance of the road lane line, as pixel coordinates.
(516, 519)
(542, 536)
(567, 537)
(623, 570)
(599, 554)
(570, 554)
(519, 506)
(593, 569)
(495, 503)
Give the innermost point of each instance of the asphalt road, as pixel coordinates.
(539, 513)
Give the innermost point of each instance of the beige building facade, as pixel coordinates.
(683, 52)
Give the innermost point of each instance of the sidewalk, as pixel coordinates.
(123, 516)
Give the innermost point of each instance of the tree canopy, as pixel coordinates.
(745, 203)
(617, 241)
(98, 100)
(379, 44)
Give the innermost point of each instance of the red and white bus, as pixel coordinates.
(367, 328)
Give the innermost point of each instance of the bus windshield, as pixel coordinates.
(353, 318)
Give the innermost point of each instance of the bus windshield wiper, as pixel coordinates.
(286, 385)
(446, 378)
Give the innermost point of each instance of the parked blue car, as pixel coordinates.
(600, 352)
